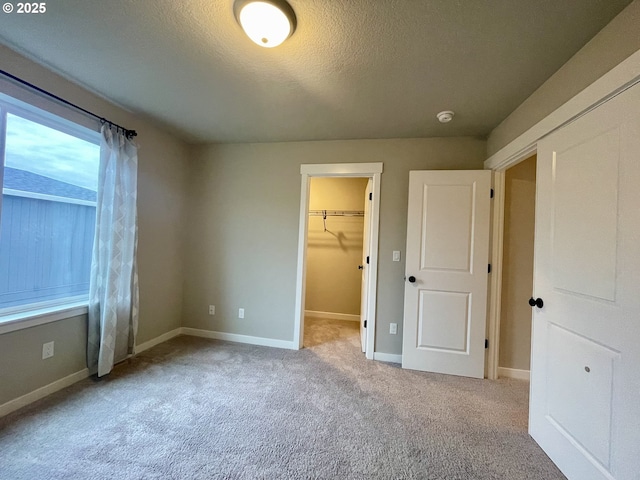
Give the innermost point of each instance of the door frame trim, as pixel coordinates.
(617, 80)
(338, 170)
(612, 83)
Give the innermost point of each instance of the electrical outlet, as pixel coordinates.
(47, 350)
(212, 309)
(393, 328)
(396, 255)
(241, 313)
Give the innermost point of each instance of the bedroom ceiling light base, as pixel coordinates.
(267, 23)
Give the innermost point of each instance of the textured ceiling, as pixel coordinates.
(352, 69)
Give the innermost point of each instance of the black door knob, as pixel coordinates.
(412, 279)
(360, 267)
(536, 302)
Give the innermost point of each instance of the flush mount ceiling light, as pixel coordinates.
(267, 22)
(446, 116)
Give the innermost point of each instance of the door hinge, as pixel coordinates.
(489, 269)
(491, 194)
(370, 195)
(367, 259)
(486, 342)
(365, 324)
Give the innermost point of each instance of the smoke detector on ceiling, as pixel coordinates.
(446, 116)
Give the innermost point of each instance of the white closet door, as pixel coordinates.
(585, 371)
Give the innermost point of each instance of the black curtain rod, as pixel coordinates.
(128, 133)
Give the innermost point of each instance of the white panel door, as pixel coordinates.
(364, 297)
(446, 272)
(585, 385)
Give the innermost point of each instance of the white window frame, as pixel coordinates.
(32, 314)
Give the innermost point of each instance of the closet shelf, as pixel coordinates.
(336, 213)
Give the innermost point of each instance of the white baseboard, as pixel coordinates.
(234, 337)
(53, 387)
(158, 340)
(513, 373)
(42, 392)
(387, 357)
(348, 317)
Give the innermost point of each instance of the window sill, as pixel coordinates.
(33, 318)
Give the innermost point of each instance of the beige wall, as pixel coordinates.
(242, 240)
(161, 201)
(23, 369)
(333, 278)
(614, 43)
(517, 267)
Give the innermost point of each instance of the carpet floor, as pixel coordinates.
(193, 408)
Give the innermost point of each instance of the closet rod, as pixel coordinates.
(336, 213)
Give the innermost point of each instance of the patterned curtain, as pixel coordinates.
(113, 290)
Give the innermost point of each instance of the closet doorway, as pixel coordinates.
(341, 237)
(336, 260)
(517, 270)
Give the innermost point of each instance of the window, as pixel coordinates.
(48, 209)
